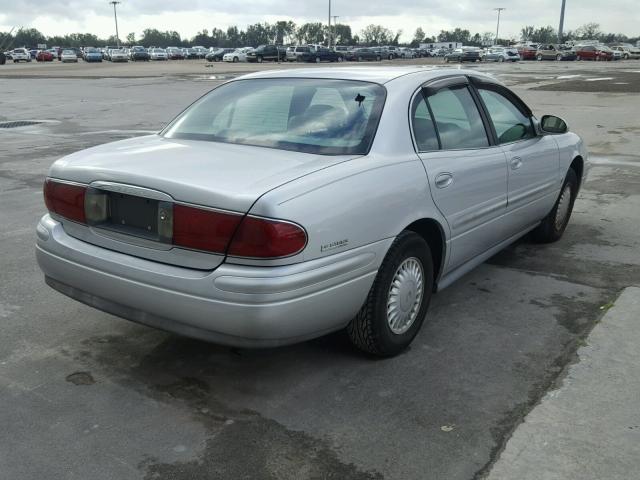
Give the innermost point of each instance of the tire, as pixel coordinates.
(539, 58)
(555, 223)
(359, 59)
(340, 59)
(446, 59)
(559, 58)
(390, 57)
(236, 60)
(378, 58)
(578, 58)
(259, 59)
(318, 60)
(501, 59)
(370, 330)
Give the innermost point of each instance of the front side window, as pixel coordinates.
(332, 117)
(508, 121)
(457, 119)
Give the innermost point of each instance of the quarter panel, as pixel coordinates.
(354, 204)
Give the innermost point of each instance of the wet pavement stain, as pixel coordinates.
(81, 378)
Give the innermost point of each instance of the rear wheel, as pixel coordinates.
(398, 300)
(558, 57)
(317, 59)
(501, 59)
(340, 59)
(378, 58)
(555, 223)
(578, 58)
(359, 59)
(539, 57)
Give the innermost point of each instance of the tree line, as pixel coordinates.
(287, 32)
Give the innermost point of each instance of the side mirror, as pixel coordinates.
(552, 124)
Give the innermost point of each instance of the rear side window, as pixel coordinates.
(457, 119)
(508, 121)
(424, 131)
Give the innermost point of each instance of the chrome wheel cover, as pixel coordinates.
(563, 208)
(405, 295)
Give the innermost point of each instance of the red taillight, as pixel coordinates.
(264, 238)
(203, 229)
(65, 199)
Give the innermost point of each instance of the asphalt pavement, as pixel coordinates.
(87, 395)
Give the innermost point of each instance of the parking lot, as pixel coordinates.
(87, 395)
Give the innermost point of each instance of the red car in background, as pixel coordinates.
(44, 56)
(527, 53)
(592, 52)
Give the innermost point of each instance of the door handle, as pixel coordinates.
(443, 180)
(516, 163)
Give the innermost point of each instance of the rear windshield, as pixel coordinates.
(331, 117)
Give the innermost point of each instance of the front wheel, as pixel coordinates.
(340, 59)
(259, 59)
(555, 223)
(378, 58)
(317, 59)
(539, 58)
(398, 300)
(501, 59)
(558, 57)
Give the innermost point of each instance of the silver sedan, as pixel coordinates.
(282, 206)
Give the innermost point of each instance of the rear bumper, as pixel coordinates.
(233, 305)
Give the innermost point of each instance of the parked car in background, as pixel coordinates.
(190, 54)
(280, 207)
(118, 55)
(44, 56)
(216, 54)
(592, 52)
(174, 53)
(92, 54)
(139, 53)
(464, 54)
(363, 54)
(527, 52)
(404, 52)
(550, 51)
(20, 55)
(295, 53)
(319, 54)
(33, 53)
(68, 56)
(500, 54)
(628, 51)
(615, 54)
(201, 52)
(158, 54)
(266, 53)
(237, 55)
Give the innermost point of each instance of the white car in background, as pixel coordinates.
(118, 55)
(239, 55)
(69, 56)
(20, 55)
(158, 54)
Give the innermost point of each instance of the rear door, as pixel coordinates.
(467, 175)
(533, 160)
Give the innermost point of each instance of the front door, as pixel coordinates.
(533, 161)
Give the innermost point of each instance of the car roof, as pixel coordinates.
(379, 75)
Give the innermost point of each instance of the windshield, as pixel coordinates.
(331, 117)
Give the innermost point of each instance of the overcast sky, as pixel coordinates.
(190, 16)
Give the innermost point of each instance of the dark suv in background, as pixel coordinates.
(266, 53)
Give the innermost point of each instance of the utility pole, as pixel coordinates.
(329, 39)
(561, 27)
(115, 16)
(499, 9)
(335, 26)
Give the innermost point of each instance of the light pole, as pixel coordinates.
(115, 16)
(335, 26)
(561, 27)
(329, 23)
(499, 9)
